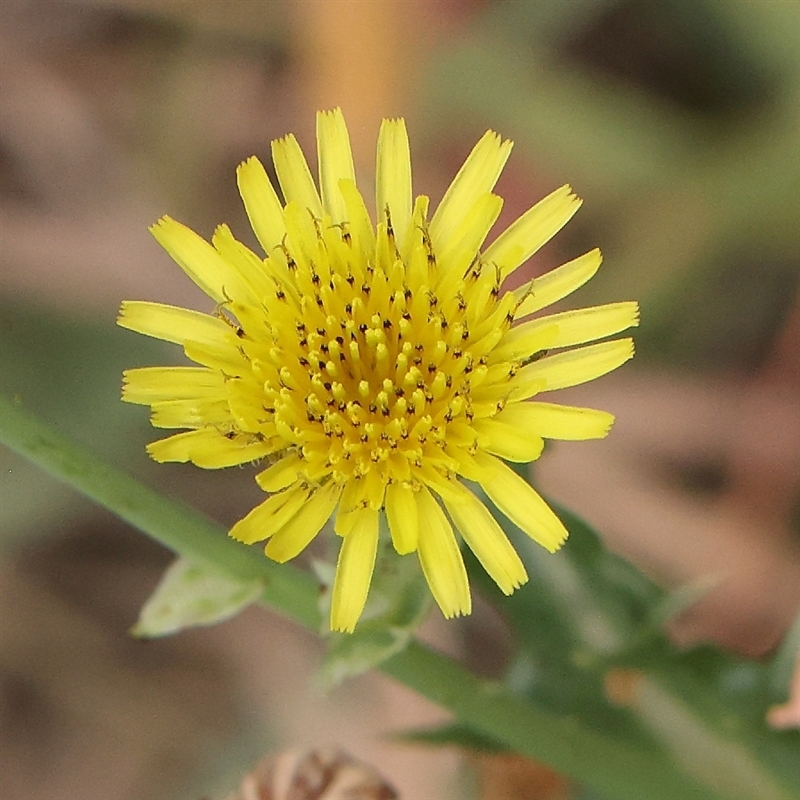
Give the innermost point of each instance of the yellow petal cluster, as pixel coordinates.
(374, 366)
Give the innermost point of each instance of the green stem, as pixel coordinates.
(179, 527)
(615, 770)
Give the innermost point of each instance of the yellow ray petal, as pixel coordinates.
(401, 512)
(335, 161)
(522, 343)
(147, 385)
(393, 178)
(246, 402)
(461, 247)
(508, 441)
(270, 516)
(345, 520)
(571, 368)
(294, 175)
(171, 323)
(302, 240)
(281, 474)
(194, 413)
(354, 571)
(295, 536)
(570, 328)
(536, 227)
(225, 357)
(477, 176)
(486, 539)
(198, 259)
(520, 503)
(441, 559)
(555, 421)
(359, 226)
(251, 270)
(264, 209)
(416, 254)
(557, 284)
(354, 496)
(208, 448)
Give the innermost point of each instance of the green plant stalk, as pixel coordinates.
(613, 769)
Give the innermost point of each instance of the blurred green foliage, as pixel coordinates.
(67, 370)
(587, 622)
(678, 123)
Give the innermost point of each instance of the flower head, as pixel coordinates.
(375, 366)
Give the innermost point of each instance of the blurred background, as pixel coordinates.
(676, 121)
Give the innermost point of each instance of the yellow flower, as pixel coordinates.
(376, 366)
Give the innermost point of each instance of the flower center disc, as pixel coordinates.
(373, 359)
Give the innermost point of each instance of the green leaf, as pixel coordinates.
(783, 665)
(456, 733)
(189, 595)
